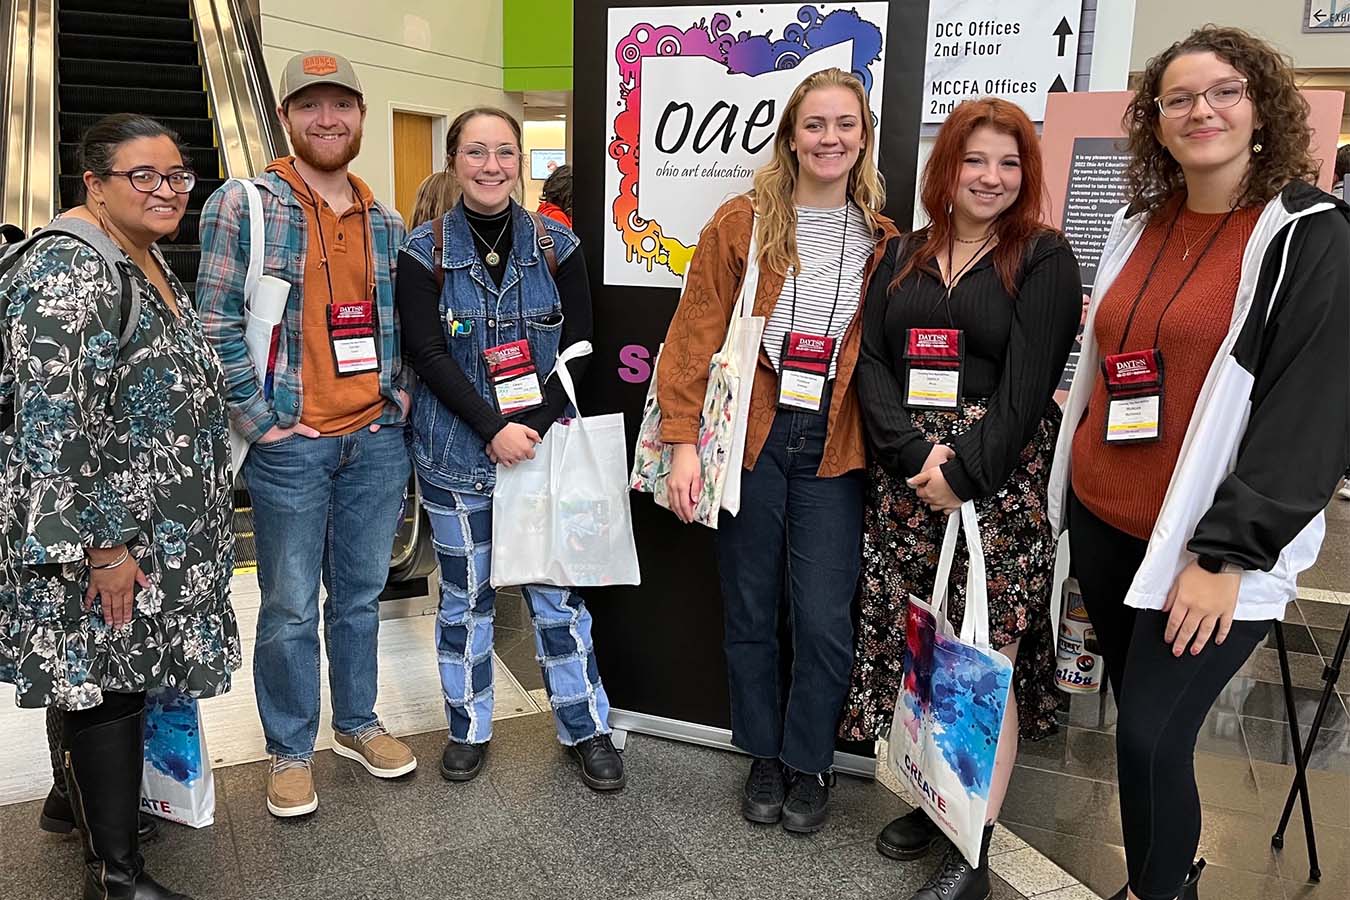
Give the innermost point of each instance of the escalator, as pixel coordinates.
(136, 56)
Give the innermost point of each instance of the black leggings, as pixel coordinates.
(1162, 701)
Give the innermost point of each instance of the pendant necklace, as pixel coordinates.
(492, 257)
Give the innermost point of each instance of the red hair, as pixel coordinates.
(1018, 224)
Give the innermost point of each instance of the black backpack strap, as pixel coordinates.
(437, 252)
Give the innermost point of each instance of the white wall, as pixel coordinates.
(1160, 23)
(540, 135)
(437, 57)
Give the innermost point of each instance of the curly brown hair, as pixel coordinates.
(1153, 177)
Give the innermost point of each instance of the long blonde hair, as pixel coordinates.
(437, 193)
(776, 180)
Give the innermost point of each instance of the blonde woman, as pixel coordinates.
(815, 211)
(436, 196)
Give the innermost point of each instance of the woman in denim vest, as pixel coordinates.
(484, 316)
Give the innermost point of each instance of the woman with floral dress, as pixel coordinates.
(116, 504)
(966, 330)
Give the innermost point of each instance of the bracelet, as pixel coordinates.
(112, 565)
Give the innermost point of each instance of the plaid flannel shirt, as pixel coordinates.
(220, 300)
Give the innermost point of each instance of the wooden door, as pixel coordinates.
(412, 158)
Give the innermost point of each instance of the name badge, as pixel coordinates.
(351, 332)
(805, 368)
(933, 368)
(514, 377)
(1134, 385)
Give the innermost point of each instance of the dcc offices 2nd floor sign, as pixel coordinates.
(675, 107)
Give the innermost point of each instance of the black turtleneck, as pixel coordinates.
(424, 342)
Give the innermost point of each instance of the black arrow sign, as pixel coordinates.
(1319, 16)
(1062, 32)
(1058, 87)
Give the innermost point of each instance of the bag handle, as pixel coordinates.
(575, 351)
(257, 241)
(975, 624)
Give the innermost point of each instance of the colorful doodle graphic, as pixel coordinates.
(954, 693)
(742, 53)
(172, 745)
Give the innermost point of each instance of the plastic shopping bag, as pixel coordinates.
(177, 783)
(563, 517)
(944, 737)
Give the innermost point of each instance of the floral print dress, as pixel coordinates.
(110, 446)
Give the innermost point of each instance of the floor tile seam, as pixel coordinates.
(1041, 857)
(1088, 778)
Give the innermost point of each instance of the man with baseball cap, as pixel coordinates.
(327, 467)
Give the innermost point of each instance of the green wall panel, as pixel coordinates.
(537, 45)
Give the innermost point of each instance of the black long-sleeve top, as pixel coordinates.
(1015, 350)
(424, 343)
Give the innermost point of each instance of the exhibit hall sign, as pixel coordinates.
(1021, 51)
(693, 95)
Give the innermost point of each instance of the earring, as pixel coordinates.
(1256, 148)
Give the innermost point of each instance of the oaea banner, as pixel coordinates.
(676, 105)
(693, 96)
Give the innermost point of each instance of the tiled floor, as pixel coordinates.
(526, 828)
(1063, 799)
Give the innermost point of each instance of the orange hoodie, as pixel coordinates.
(333, 404)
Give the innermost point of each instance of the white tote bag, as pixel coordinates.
(563, 517)
(264, 306)
(725, 415)
(949, 712)
(176, 783)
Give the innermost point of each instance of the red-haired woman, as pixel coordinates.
(1003, 291)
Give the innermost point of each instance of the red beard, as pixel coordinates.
(323, 158)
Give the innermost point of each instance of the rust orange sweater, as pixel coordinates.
(1124, 484)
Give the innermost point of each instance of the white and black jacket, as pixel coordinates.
(1270, 435)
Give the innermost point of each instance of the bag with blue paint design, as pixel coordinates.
(177, 783)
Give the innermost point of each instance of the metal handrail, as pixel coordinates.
(241, 98)
(29, 112)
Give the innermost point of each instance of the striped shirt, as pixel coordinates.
(820, 239)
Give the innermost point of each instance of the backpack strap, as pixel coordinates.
(543, 238)
(545, 241)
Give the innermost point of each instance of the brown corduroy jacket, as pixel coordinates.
(712, 286)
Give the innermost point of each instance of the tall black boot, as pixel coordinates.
(57, 817)
(103, 770)
(957, 879)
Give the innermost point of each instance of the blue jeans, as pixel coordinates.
(461, 525)
(797, 535)
(322, 507)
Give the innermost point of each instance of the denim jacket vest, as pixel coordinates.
(446, 450)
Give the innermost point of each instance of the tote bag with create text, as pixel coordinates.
(563, 517)
(944, 737)
(725, 415)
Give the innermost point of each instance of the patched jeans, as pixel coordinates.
(461, 525)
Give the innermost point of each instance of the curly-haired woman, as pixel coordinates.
(1209, 421)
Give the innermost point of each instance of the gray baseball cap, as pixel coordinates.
(316, 67)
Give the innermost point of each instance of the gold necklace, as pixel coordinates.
(979, 240)
(1185, 237)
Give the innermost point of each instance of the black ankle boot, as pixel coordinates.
(762, 800)
(807, 806)
(909, 837)
(1190, 888)
(103, 769)
(957, 879)
(462, 762)
(57, 817)
(601, 765)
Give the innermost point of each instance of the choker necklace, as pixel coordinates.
(979, 240)
(492, 258)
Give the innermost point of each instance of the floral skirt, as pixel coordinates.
(901, 541)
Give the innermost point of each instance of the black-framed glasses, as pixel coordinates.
(1225, 94)
(147, 180)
